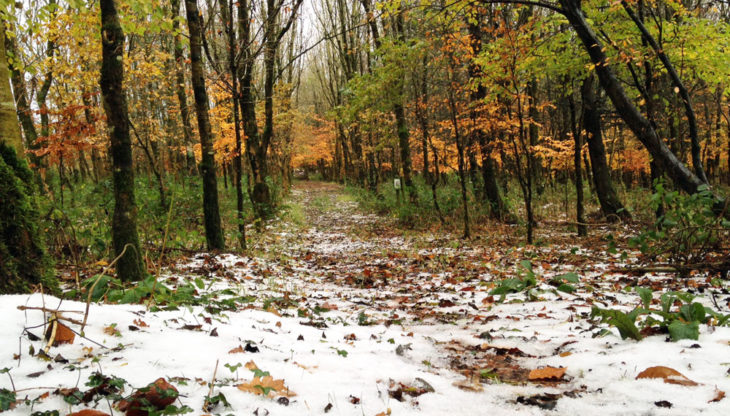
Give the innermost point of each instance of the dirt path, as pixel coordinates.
(350, 315)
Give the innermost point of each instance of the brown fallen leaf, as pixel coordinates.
(112, 330)
(669, 375)
(88, 412)
(266, 386)
(158, 394)
(719, 395)
(64, 334)
(469, 384)
(565, 354)
(251, 365)
(547, 373)
(272, 309)
(237, 350)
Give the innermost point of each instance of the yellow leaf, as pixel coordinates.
(266, 386)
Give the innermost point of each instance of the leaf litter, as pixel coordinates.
(358, 318)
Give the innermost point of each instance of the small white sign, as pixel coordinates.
(396, 183)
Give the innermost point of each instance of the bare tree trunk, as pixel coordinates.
(180, 89)
(611, 205)
(211, 213)
(124, 221)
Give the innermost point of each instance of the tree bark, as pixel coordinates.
(611, 205)
(180, 89)
(491, 194)
(227, 5)
(124, 220)
(578, 146)
(211, 213)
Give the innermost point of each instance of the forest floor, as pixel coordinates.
(340, 312)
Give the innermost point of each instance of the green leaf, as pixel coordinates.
(199, 283)
(7, 398)
(568, 277)
(681, 330)
(646, 295)
(694, 312)
(566, 288)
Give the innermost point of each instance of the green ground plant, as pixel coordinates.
(680, 316)
(688, 229)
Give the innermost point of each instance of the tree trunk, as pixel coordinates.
(213, 231)
(611, 205)
(639, 125)
(124, 220)
(237, 167)
(578, 140)
(180, 89)
(491, 193)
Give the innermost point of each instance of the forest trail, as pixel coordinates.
(350, 315)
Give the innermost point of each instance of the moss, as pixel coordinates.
(23, 260)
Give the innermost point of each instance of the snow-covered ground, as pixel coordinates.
(352, 325)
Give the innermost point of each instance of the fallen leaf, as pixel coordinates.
(140, 323)
(469, 384)
(272, 309)
(547, 373)
(251, 365)
(237, 350)
(112, 330)
(669, 375)
(329, 306)
(565, 353)
(88, 412)
(64, 334)
(545, 401)
(266, 386)
(719, 395)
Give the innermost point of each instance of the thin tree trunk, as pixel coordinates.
(211, 213)
(491, 194)
(577, 139)
(180, 89)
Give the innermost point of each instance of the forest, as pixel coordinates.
(364, 207)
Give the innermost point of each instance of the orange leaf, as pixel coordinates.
(111, 330)
(547, 373)
(88, 412)
(237, 350)
(64, 335)
(719, 395)
(565, 353)
(251, 365)
(669, 375)
(140, 323)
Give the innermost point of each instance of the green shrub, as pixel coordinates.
(687, 230)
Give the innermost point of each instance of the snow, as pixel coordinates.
(427, 321)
